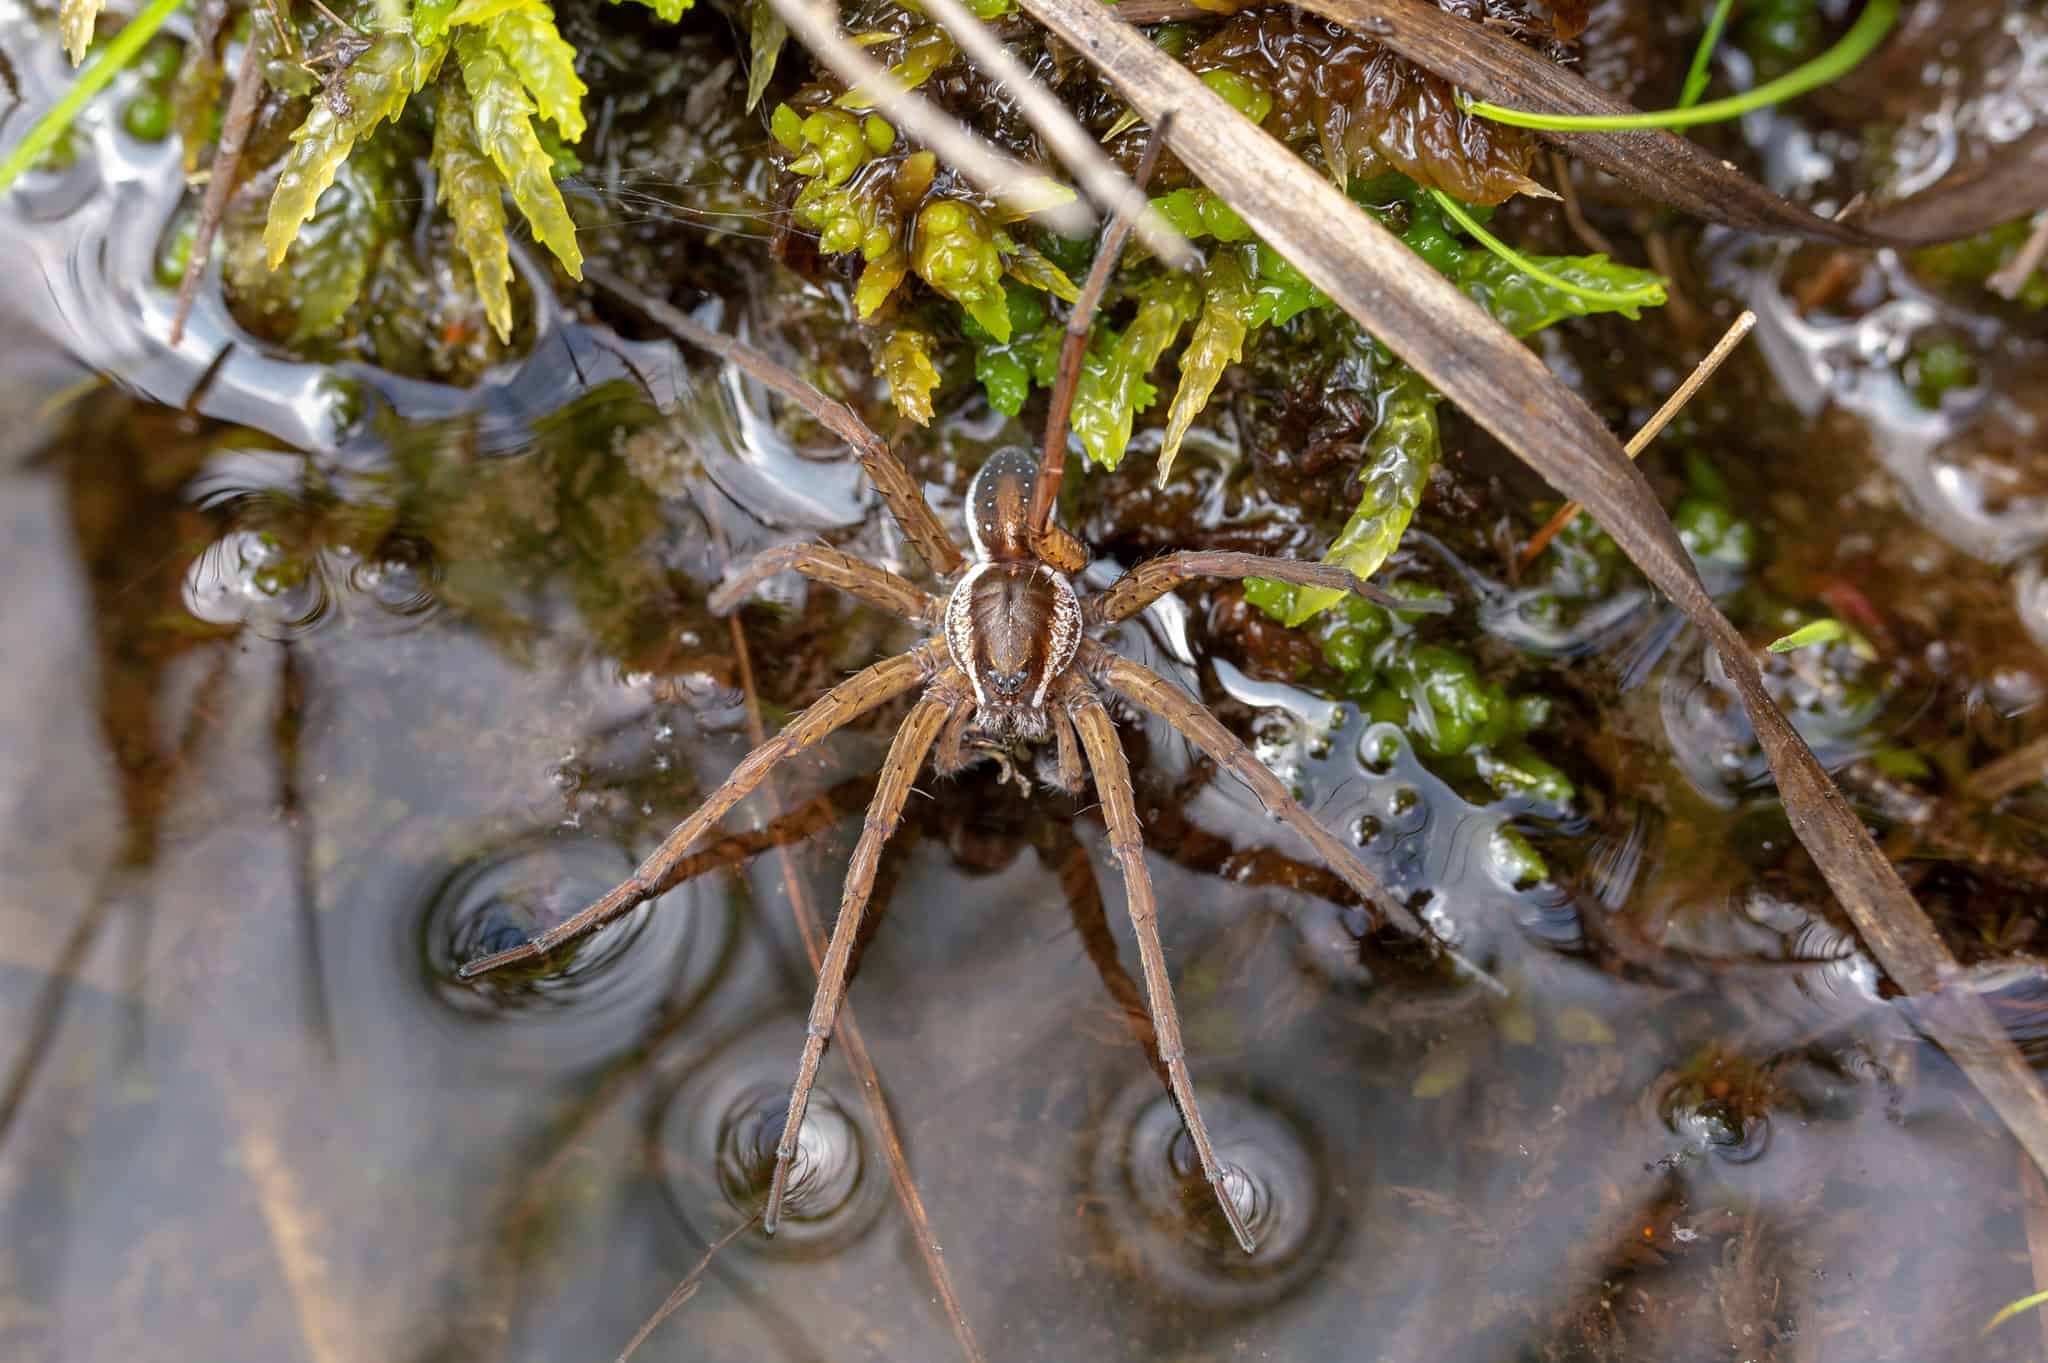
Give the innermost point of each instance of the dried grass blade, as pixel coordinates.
(1506, 388)
(1660, 165)
(1010, 181)
(1109, 187)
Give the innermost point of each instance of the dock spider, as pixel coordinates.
(1012, 656)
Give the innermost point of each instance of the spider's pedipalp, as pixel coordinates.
(841, 705)
(899, 770)
(1127, 841)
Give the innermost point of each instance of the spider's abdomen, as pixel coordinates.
(1012, 628)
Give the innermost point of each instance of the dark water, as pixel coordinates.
(303, 707)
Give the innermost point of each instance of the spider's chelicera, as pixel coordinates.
(1012, 657)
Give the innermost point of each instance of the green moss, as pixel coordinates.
(1937, 368)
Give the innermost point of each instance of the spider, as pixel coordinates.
(1012, 658)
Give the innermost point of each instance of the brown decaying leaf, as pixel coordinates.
(1370, 108)
(1504, 387)
(2009, 183)
(1659, 164)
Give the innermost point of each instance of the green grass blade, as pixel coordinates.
(1696, 78)
(121, 51)
(2012, 1309)
(1648, 296)
(1859, 42)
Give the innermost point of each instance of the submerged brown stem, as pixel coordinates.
(686, 1288)
(852, 1044)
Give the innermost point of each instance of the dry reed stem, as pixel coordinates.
(1652, 428)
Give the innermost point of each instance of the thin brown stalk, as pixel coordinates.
(1110, 188)
(1015, 185)
(1052, 461)
(685, 1289)
(1504, 387)
(220, 177)
(1652, 428)
(2008, 279)
(1575, 213)
(851, 1043)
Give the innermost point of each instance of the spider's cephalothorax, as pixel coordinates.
(1013, 622)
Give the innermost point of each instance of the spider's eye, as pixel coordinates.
(1009, 684)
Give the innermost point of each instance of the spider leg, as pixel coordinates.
(906, 755)
(1154, 578)
(900, 491)
(1126, 840)
(1149, 691)
(876, 586)
(844, 703)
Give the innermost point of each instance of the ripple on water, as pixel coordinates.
(1160, 1209)
(717, 1130)
(664, 955)
(275, 572)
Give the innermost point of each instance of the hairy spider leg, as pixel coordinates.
(857, 578)
(899, 491)
(841, 705)
(1052, 459)
(1127, 842)
(1155, 577)
(899, 770)
(1151, 692)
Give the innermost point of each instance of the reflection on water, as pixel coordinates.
(303, 712)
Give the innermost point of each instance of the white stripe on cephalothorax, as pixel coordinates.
(960, 629)
(1066, 633)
